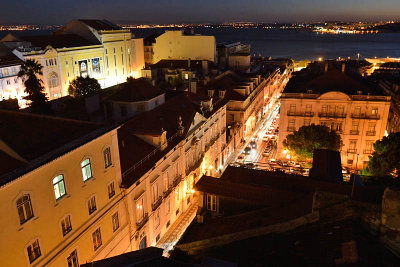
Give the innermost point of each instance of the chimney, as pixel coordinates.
(204, 65)
(343, 67)
(181, 129)
(163, 139)
(326, 67)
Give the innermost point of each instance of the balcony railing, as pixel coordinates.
(157, 203)
(195, 165)
(366, 116)
(167, 191)
(300, 114)
(371, 133)
(354, 132)
(352, 150)
(331, 115)
(177, 180)
(368, 151)
(291, 129)
(142, 221)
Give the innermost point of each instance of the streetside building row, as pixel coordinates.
(83, 191)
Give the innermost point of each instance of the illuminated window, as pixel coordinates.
(66, 226)
(139, 209)
(59, 186)
(111, 190)
(72, 259)
(24, 208)
(211, 202)
(96, 236)
(107, 157)
(92, 205)
(86, 169)
(115, 221)
(33, 250)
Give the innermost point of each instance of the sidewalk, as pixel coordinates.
(175, 232)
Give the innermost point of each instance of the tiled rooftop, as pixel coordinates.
(166, 117)
(57, 41)
(297, 183)
(7, 58)
(316, 79)
(39, 138)
(100, 25)
(135, 90)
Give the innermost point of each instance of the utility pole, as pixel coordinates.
(354, 179)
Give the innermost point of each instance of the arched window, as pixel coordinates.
(107, 157)
(86, 169)
(59, 186)
(24, 207)
(53, 80)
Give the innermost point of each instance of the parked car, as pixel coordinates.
(247, 150)
(253, 144)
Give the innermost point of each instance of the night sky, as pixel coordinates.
(166, 11)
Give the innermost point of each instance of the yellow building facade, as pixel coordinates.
(360, 120)
(64, 208)
(93, 48)
(177, 45)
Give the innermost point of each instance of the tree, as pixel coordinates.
(307, 138)
(83, 86)
(34, 88)
(386, 157)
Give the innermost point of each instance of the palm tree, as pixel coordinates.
(34, 88)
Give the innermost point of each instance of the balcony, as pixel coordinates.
(352, 150)
(368, 151)
(291, 129)
(195, 165)
(142, 221)
(366, 116)
(157, 203)
(300, 114)
(177, 180)
(167, 191)
(371, 133)
(331, 115)
(354, 132)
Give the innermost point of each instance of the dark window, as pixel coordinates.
(92, 205)
(115, 222)
(66, 225)
(107, 157)
(33, 251)
(24, 207)
(73, 259)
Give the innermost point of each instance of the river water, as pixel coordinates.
(297, 45)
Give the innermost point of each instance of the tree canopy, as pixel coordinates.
(386, 157)
(34, 88)
(83, 86)
(307, 138)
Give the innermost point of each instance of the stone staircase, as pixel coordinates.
(172, 236)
